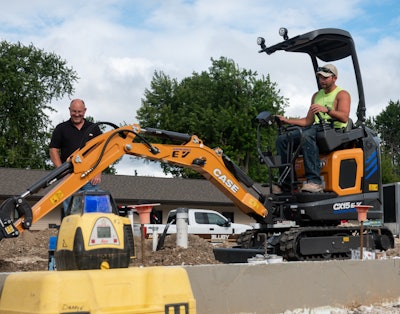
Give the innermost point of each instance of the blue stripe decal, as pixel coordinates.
(373, 155)
(372, 172)
(372, 165)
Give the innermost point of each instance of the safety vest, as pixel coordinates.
(327, 101)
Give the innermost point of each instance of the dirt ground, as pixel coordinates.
(29, 252)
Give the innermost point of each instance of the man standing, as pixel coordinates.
(67, 137)
(331, 102)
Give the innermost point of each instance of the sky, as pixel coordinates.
(115, 46)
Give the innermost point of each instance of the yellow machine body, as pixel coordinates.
(92, 236)
(152, 290)
(341, 171)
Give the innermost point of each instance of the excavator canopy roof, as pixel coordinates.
(327, 44)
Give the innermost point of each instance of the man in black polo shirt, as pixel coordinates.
(67, 137)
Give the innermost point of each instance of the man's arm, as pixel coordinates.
(341, 107)
(306, 121)
(96, 180)
(293, 121)
(55, 156)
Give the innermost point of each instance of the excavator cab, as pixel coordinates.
(343, 153)
(326, 45)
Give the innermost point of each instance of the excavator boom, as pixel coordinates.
(105, 149)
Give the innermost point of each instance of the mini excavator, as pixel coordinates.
(309, 226)
(297, 226)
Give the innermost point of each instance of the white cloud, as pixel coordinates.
(115, 46)
(380, 78)
(137, 166)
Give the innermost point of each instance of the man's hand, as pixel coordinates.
(299, 122)
(96, 179)
(282, 119)
(315, 108)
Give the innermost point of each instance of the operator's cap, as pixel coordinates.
(327, 70)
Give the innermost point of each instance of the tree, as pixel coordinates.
(385, 124)
(29, 80)
(218, 105)
(389, 173)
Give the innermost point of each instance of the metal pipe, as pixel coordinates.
(182, 228)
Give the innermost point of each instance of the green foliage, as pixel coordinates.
(219, 106)
(386, 125)
(29, 80)
(389, 174)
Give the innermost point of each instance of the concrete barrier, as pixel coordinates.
(275, 288)
(242, 288)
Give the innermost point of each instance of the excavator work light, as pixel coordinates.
(261, 42)
(284, 33)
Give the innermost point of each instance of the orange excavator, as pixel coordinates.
(83, 225)
(107, 148)
(297, 226)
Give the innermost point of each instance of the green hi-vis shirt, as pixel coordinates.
(327, 101)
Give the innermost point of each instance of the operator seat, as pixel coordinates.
(330, 139)
(349, 125)
(341, 161)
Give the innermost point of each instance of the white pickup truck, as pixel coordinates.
(205, 223)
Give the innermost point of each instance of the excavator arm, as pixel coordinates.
(105, 149)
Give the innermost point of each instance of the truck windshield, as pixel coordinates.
(209, 218)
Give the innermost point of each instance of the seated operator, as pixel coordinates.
(331, 102)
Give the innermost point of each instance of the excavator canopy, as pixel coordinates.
(327, 45)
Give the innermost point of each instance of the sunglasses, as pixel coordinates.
(325, 70)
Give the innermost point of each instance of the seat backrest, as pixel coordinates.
(349, 126)
(329, 139)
